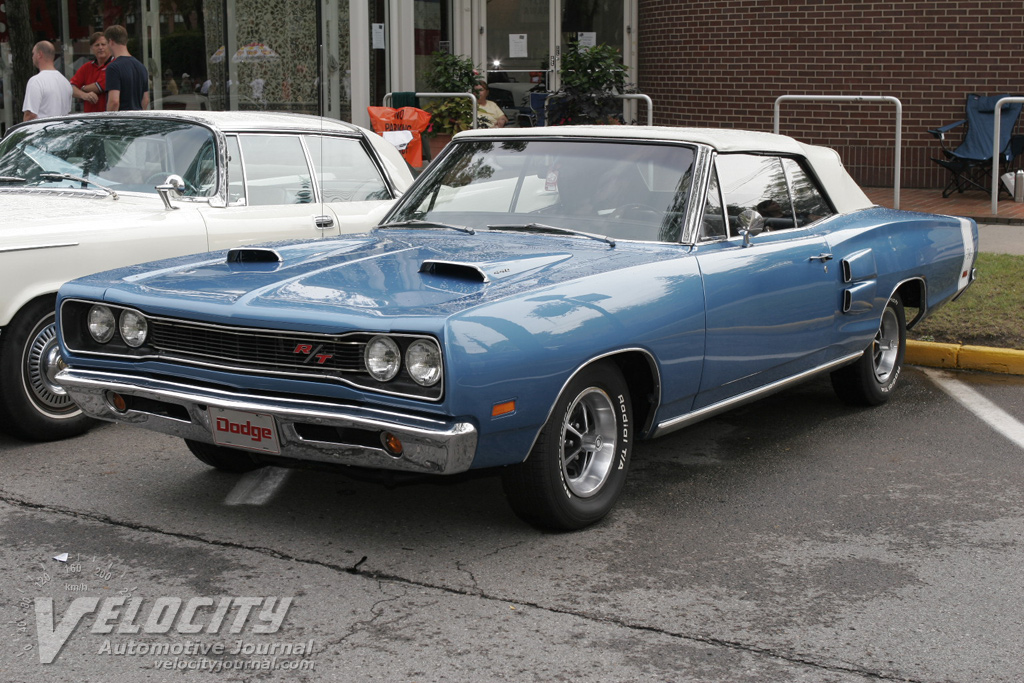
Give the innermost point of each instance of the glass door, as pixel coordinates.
(526, 39)
(519, 48)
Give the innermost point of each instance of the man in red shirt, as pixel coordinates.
(90, 81)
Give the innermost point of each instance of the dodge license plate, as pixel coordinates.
(238, 429)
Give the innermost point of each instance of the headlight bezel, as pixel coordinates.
(425, 349)
(133, 340)
(95, 311)
(371, 357)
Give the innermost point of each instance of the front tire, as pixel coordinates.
(32, 405)
(577, 468)
(223, 458)
(871, 379)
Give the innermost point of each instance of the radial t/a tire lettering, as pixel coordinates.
(871, 379)
(33, 406)
(577, 468)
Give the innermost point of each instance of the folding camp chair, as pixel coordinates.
(971, 162)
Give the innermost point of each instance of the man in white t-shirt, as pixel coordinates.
(47, 93)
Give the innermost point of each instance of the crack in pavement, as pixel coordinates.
(381, 576)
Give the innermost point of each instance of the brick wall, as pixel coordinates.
(723, 63)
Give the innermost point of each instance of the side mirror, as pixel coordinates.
(175, 184)
(751, 225)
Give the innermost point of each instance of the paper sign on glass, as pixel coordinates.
(517, 45)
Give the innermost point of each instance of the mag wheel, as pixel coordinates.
(33, 406)
(871, 379)
(578, 466)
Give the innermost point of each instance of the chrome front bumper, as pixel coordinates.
(307, 430)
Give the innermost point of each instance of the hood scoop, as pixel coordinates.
(253, 259)
(489, 270)
(454, 270)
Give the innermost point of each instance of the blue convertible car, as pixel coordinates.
(538, 301)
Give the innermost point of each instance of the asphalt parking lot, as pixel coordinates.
(795, 539)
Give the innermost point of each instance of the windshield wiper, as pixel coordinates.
(540, 227)
(50, 175)
(427, 224)
(11, 179)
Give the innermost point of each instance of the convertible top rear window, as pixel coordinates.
(622, 190)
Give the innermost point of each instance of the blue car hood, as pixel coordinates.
(384, 274)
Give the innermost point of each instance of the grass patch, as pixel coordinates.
(990, 312)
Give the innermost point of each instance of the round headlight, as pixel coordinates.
(101, 324)
(423, 362)
(382, 358)
(134, 328)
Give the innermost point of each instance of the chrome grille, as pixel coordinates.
(289, 352)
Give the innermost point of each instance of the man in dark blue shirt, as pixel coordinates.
(127, 78)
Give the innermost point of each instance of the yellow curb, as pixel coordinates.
(983, 358)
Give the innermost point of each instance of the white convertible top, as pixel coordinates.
(846, 195)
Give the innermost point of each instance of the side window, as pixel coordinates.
(276, 171)
(345, 171)
(236, 179)
(713, 224)
(808, 202)
(201, 175)
(758, 183)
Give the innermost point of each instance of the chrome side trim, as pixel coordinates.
(714, 409)
(432, 446)
(31, 247)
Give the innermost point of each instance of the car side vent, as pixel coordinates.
(451, 269)
(251, 255)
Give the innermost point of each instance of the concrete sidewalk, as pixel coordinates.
(1001, 238)
(993, 239)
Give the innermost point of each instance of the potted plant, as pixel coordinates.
(450, 73)
(591, 80)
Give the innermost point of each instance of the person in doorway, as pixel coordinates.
(127, 77)
(170, 85)
(89, 83)
(47, 93)
(490, 113)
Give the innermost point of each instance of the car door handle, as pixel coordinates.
(821, 257)
(327, 222)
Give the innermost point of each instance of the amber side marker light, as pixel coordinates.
(392, 444)
(503, 408)
(117, 402)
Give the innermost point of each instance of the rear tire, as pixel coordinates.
(223, 458)
(577, 469)
(871, 379)
(32, 405)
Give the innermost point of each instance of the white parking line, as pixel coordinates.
(996, 418)
(257, 487)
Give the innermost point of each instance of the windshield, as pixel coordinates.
(622, 190)
(132, 155)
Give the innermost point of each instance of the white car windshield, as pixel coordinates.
(616, 189)
(129, 154)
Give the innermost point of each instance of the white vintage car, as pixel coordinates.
(86, 193)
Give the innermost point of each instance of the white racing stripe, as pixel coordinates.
(994, 416)
(257, 487)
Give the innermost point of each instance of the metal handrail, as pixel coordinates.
(643, 98)
(861, 98)
(471, 96)
(996, 150)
